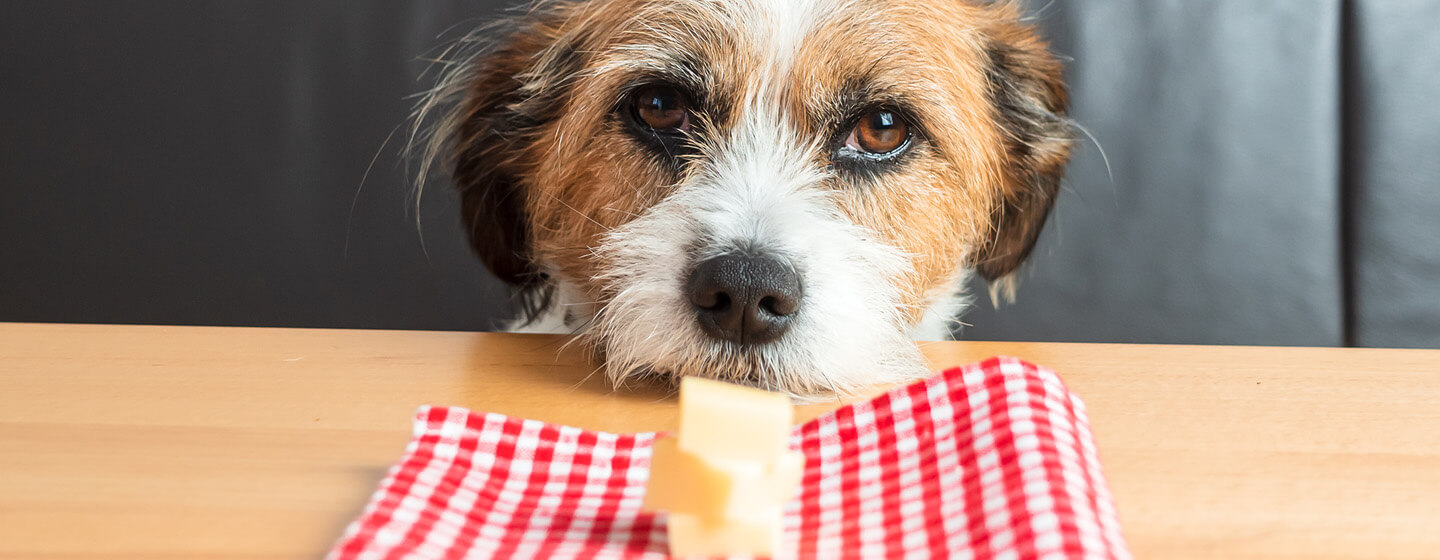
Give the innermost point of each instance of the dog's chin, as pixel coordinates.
(791, 365)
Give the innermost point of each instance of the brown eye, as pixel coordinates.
(663, 109)
(879, 132)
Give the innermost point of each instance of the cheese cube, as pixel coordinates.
(718, 489)
(727, 475)
(786, 475)
(692, 536)
(757, 493)
(727, 421)
(681, 481)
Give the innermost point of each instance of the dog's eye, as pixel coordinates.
(663, 109)
(879, 132)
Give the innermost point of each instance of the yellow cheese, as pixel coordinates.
(718, 489)
(726, 476)
(691, 536)
(787, 472)
(756, 493)
(727, 421)
(681, 481)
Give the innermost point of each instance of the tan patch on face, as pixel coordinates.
(586, 174)
(591, 175)
(936, 203)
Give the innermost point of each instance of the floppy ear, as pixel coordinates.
(1029, 100)
(504, 97)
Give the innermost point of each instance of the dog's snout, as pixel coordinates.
(745, 299)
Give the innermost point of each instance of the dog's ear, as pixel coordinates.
(1029, 99)
(504, 97)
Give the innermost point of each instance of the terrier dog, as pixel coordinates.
(782, 193)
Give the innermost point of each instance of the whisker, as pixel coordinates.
(1098, 147)
(582, 214)
(350, 218)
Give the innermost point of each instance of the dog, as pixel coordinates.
(780, 193)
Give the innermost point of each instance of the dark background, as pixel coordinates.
(1273, 171)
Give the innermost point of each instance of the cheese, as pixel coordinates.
(725, 478)
(691, 536)
(758, 492)
(787, 472)
(718, 489)
(728, 421)
(681, 481)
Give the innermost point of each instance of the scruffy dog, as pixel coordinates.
(783, 193)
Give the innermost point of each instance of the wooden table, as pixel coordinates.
(191, 442)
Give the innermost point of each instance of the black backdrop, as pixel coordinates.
(200, 162)
(1272, 173)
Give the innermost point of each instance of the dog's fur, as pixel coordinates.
(598, 230)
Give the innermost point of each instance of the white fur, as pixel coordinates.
(943, 315)
(569, 312)
(754, 189)
(757, 191)
(780, 27)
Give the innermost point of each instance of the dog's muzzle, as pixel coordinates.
(744, 298)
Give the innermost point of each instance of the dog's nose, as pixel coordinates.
(745, 299)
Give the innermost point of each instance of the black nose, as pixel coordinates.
(745, 299)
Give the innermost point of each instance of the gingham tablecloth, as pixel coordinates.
(990, 460)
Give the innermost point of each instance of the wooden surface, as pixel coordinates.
(184, 442)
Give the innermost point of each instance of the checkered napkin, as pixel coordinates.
(990, 460)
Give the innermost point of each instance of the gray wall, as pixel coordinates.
(1274, 177)
(1272, 171)
(200, 162)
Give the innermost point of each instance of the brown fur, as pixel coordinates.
(544, 171)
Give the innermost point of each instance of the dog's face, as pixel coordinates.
(776, 192)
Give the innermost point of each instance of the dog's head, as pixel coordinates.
(776, 192)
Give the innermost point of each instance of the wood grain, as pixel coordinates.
(205, 442)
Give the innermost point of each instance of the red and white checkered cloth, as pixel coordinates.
(990, 460)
